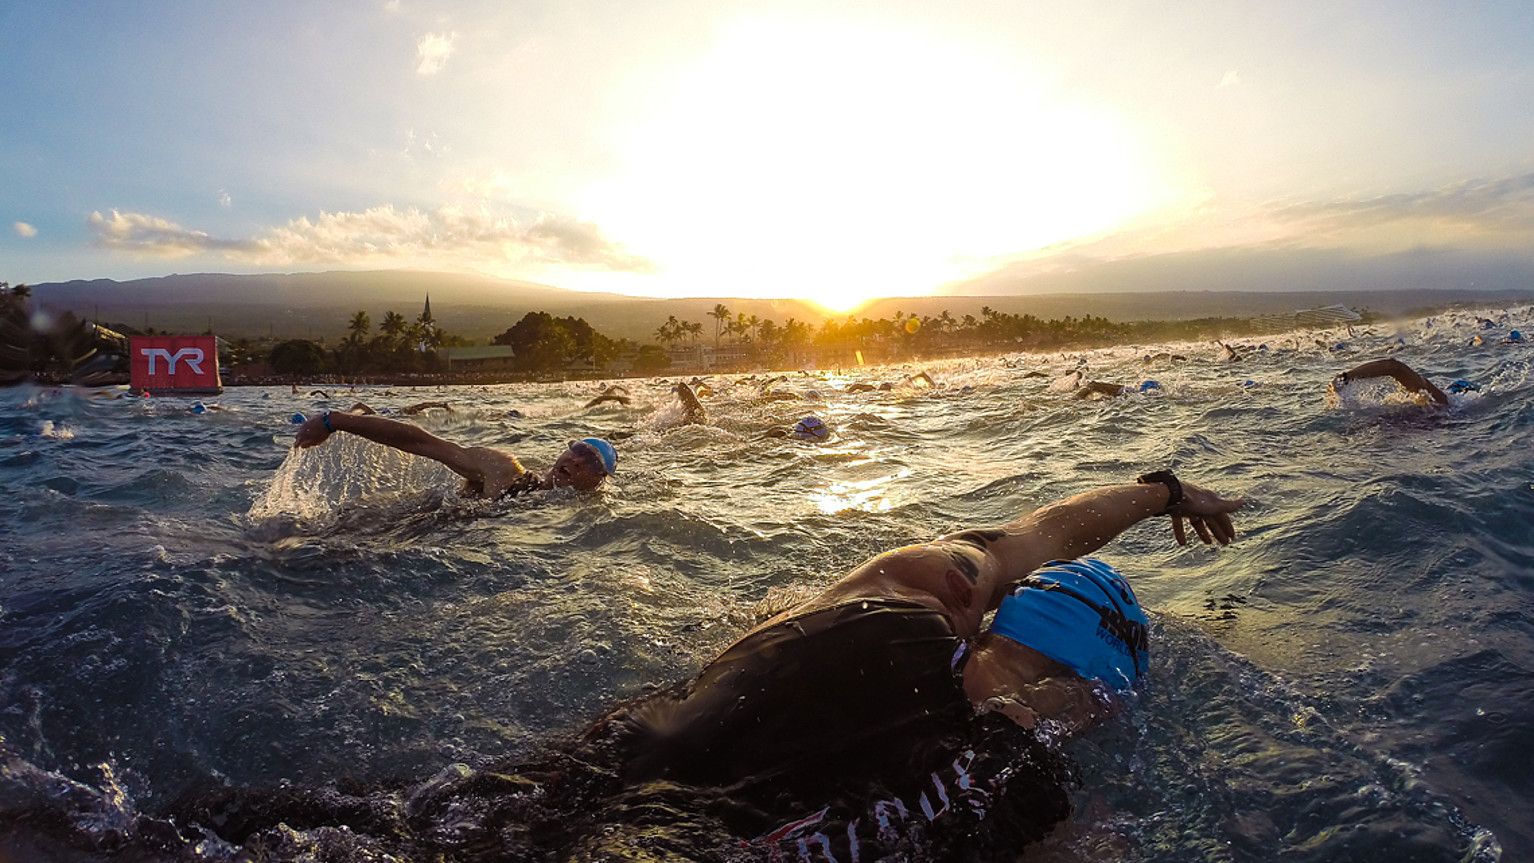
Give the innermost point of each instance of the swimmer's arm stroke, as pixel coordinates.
(401, 436)
(1402, 373)
(1079, 525)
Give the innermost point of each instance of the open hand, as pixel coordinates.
(1207, 512)
(311, 433)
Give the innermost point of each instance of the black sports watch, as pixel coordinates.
(1168, 479)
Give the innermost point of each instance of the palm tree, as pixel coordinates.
(737, 327)
(393, 325)
(720, 314)
(693, 329)
(358, 327)
(670, 331)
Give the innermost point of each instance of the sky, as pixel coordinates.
(822, 150)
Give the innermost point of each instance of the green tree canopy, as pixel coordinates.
(299, 357)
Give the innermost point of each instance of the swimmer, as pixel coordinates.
(810, 429)
(854, 682)
(1100, 389)
(1227, 353)
(487, 472)
(614, 393)
(692, 409)
(1393, 368)
(921, 380)
(363, 409)
(321, 393)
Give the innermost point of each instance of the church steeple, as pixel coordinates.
(426, 312)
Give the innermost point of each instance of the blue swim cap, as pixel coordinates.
(297, 419)
(811, 428)
(1082, 614)
(1515, 336)
(606, 451)
(1462, 386)
(1146, 386)
(1248, 383)
(198, 407)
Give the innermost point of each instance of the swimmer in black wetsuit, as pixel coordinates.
(487, 472)
(842, 687)
(614, 393)
(692, 409)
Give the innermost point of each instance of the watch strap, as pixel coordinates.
(1168, 479)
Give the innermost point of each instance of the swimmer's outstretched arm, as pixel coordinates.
(1403, 374)
(1101, 388)
(1080, 525)
(401, 436)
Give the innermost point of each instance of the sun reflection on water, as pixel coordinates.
(868, 495)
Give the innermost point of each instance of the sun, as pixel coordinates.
(843, 162)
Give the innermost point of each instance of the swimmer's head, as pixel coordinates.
(1515, 337)
(1082, 614)
(811, 429)
(1462, 386)
(584, 464)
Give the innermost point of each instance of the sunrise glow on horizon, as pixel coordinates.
(829, 153)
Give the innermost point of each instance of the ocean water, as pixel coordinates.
(187, 603)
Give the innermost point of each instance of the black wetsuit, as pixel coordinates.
(833, 689)
(842, 734)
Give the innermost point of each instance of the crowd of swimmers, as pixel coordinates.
(917, 702)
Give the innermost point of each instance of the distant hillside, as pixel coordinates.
(314, 305)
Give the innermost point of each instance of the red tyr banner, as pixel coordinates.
(184, 363)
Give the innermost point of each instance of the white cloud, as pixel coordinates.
(151, 235)
(224, 200)
(24, 230)
(432, 52)
(1232, 78)
(384, 234)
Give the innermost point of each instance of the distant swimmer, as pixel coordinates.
(614, 393)
(920, 380)
(1227, 353)
(1513, 338)
(363, 409)
(1100, 389)
(1400, 372)
(321, 393)
(487, 472)
(692, 409)
(811, 428)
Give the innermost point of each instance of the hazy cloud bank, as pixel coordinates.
(1505, 204)
(381, 234)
